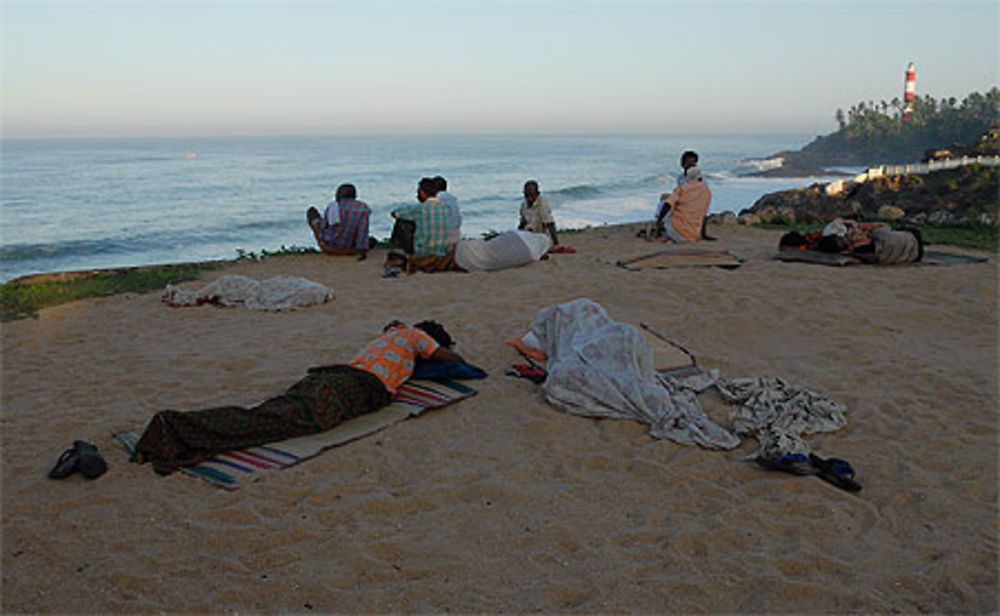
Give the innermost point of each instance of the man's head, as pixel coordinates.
(436, 331)
(432, 328)
(689, 159)
(530, 191)
(833, 243)
(346, 191)
(426, 189)
(440, 183)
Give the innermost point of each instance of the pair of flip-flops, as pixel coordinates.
(83, 457)
(832, 470)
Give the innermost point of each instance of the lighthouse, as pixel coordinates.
(910, 91)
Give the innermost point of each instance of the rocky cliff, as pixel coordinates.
(957, 196)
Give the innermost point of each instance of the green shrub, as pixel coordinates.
(24, 299)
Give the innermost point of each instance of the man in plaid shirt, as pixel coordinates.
(343, 230)
(421, 233)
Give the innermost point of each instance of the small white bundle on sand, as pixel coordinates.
(277, 293)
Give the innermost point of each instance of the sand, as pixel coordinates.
(502, 503)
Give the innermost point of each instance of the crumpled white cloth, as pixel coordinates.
(777, 414)
(277, 293)
(600, 367)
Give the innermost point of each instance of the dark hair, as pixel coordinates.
(531, 183)
(690, 154)
(440, 182)
(436, 331)
(429, 186)
(829, 243)
(792, 238)
(346, 191)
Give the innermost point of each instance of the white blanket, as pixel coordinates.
(278, 293)
(599, 367)
(509, 249)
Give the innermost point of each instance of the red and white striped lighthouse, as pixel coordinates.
(910, 91)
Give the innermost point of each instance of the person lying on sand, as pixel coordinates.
(421, 234)
(872, 242)
(324, 398)
(343, 229)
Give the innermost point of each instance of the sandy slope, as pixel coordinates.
(502, 503)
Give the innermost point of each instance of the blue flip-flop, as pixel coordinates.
(835, 471)
(795, 463)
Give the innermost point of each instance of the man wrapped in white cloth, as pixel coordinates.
(600, 367)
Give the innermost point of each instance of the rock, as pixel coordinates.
(834, 189)
(938, 217)
(726, 218)
(787, 214)
(853, 208)
(918, 219)
(890, 212)
(767, 213)
(944, 196)
(748, 219)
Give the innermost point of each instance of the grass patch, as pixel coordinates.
(284, 251)
(24, 298)
(976, 237)
(984, 238)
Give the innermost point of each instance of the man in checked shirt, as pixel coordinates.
(421, 236)
(343, 229)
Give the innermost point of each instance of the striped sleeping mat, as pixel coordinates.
(230, 469)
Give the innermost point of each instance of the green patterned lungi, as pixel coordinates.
(327, 396)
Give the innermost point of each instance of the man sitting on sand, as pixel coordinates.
(420, 235)
(454, 214)
(680, 216)
(326, 397)
(536, 213)
(343, 229)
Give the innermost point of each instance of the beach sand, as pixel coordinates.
(502, 503)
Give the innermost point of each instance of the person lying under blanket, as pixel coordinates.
(872, 242)
(324, 398)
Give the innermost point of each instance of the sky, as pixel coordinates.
(291, 67)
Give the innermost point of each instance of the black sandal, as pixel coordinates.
(835, 471)
(90, 461)
(66, 465)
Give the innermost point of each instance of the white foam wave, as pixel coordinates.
(763, 164)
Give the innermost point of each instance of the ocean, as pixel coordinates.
(81, 203)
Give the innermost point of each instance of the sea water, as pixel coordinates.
(70, 204)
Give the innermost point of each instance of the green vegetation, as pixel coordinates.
(875, 133)
(25, 298)
(284, 251)
(972, 236)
